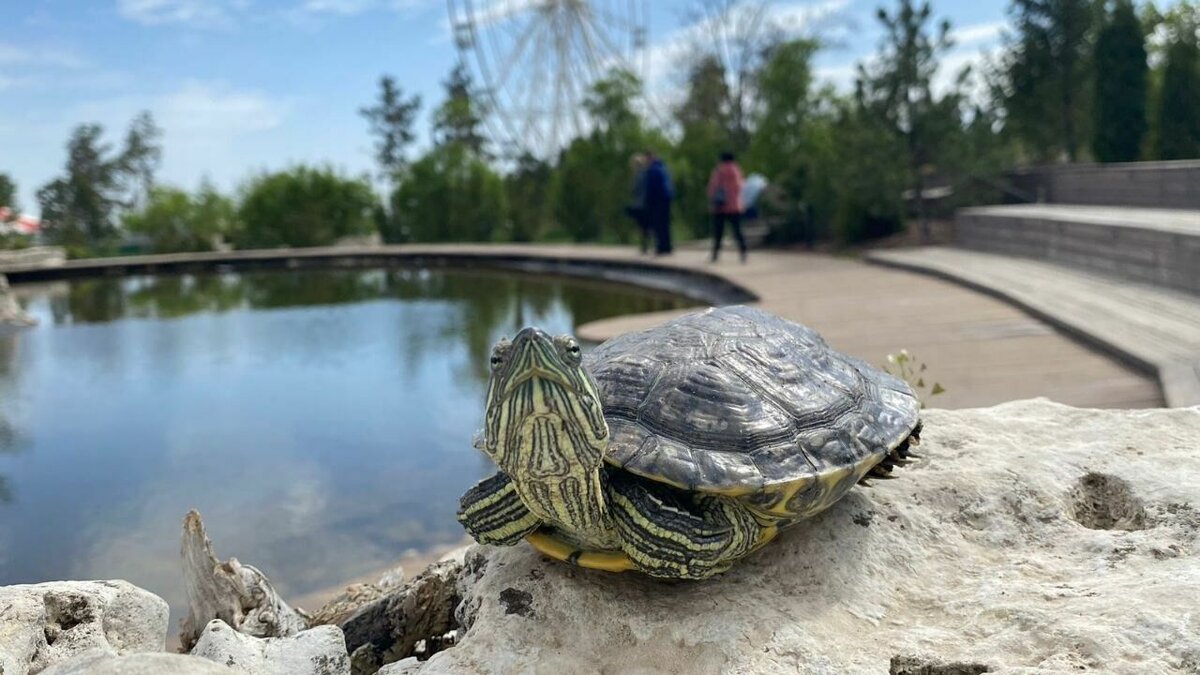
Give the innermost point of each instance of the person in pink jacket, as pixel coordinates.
(725, 201)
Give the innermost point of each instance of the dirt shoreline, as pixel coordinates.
(413, 562)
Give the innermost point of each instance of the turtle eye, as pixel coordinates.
(570, 349)
(499, 353)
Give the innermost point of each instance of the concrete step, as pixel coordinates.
(1152, 246)
(1154, 329)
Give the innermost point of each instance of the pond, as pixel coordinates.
(320, 420)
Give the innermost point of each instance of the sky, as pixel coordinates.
(244, 86)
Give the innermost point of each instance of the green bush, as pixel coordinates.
(304, 206)
(175, 221)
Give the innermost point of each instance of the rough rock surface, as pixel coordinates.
(409, 666)
(317, 651)
(45, 624)
(354, 597)
(391, 628)
(1033, 538)
(100, 663)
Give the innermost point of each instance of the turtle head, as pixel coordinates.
(545, 423)
(544, 413)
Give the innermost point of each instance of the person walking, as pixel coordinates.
(658, 195)
(725, 201)
(636, 209)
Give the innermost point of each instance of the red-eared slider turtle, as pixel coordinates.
(679, 449)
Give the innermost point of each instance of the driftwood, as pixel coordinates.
(391, 628)
(237, 594)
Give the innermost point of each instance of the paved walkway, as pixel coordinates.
(1157, 328)
(982, 350)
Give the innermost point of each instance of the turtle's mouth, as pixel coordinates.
(538, 372)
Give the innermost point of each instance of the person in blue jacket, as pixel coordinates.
(657, 203)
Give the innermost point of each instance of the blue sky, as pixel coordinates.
(240, 86)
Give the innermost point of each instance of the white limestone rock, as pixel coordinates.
(11, 312)
(45, 624)
(317, 651)
(1034, 538)
(102, 663)
(409, 666)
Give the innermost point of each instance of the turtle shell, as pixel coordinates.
(738, 401)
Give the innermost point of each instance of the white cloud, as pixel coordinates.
(665, 56)
(973, 44)
(217, 111)
(207, 126)
(976, 33)
(195, 13)
(11, 54)
(339, 7)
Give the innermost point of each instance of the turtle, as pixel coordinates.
(680, 449)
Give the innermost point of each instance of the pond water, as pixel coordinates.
(320, 420)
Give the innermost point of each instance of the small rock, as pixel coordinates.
(926, 665)
(45, 624)
(101, 663)
(317, 651)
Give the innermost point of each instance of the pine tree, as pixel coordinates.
(1120, 102)
(459, 119)
(391, 122)
(1179, 111)
(1044, 86)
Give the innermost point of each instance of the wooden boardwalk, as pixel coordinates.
(982, 350)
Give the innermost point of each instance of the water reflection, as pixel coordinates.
(321, 420)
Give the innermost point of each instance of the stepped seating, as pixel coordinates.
(1144, 245)
(1152, 328)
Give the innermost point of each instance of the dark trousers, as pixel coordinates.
(734, 219)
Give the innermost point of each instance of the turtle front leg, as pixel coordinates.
(493, 513)
(672, 534)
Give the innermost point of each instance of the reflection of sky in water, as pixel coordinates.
(320, 420)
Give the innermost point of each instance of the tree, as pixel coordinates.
(708, 95)
(8, 196)
(1120, 100)
(79, 207)
(592, 183)
(527, 190)
(1044, 74)
(704, 118)
(141, 157)
(1179, 104)
(175, 221)
(897, 89)
(785, 88)
(450, 194)
(304, 206)
(738, 34)
(391, 120)
(459, 118)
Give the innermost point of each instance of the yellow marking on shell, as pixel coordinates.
(609, 561)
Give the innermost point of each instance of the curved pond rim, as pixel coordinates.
(697, 285)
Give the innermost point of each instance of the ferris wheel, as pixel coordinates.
(537, 59)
